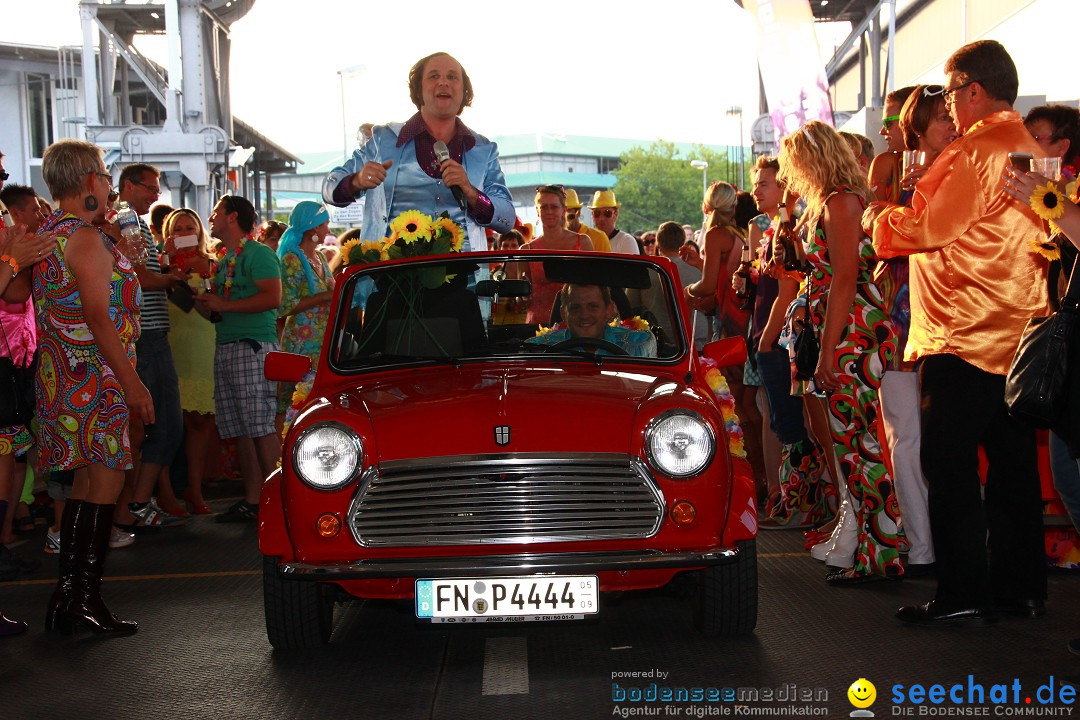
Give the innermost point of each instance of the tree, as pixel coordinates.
(656, 184)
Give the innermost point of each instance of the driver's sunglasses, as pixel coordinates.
(887, 122)
(603, 213)
(571, 214)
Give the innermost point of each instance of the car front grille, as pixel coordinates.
(506, 499)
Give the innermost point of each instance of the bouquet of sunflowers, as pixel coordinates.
(412, 235)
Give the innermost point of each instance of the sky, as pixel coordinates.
(620, 68)
(638, 69)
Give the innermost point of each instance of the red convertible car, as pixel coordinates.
(506, 437)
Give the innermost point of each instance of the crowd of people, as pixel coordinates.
(914, 272)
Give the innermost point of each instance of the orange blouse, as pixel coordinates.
(975, 279)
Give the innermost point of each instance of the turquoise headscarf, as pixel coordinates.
(306, 215)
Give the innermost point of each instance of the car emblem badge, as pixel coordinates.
(502, 435)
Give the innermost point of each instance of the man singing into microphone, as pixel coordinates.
(432, 163)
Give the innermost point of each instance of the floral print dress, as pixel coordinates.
(81, 412)
(303, 332)
(865, 351)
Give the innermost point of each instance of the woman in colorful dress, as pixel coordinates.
(87, 297)
(857, 337)
(18, 250)
(192, 340)
(307, 286)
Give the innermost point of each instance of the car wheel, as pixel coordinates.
(299, 614)
(727, 595)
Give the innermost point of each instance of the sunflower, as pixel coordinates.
(1047, 201)
(346, 252)
(410, 226)
(457, 237)
(1047, 248)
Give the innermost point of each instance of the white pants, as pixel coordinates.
(899, 395)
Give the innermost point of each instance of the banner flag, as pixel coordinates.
(796, 87)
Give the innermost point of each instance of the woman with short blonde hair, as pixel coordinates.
(551, 207)
(87, 297)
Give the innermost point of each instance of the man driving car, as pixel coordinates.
(587, 310)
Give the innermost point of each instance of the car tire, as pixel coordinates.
(727, 596)
(299, 614)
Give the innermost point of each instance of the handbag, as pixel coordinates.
(16, 389)
(1036, 387)
(807, 345)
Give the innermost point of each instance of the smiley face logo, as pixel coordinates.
(862, 693)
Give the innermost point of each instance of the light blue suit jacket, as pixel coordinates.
(407, 187)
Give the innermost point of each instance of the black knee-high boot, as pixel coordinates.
(62, 594)
(86, 608)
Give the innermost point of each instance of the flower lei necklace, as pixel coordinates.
(230, 265)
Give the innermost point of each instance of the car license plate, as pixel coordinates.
(515, 599)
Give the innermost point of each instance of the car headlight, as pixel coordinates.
(679, 443)
(327, 456)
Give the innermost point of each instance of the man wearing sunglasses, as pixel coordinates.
(140, 187)
(599, 239)
(975, 282)
(605, 213)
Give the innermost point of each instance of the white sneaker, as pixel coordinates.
(52, 542)
(119, 538)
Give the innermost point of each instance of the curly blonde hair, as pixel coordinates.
(817, 160)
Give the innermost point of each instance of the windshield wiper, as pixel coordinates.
(441, 359)
(593, 355)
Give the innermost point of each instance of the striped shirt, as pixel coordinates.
(155, 303)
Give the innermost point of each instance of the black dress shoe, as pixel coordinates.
(917, 570)
(932, 614)
(1028, 608)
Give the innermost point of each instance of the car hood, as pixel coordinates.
(437, 412)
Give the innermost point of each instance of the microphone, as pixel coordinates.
(442, 154)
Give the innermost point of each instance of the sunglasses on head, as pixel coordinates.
(550, 188)
(597, 212)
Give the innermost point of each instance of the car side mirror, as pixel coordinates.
(286, 367)
(726, 352)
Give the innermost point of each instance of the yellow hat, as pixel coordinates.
(572, 202)
(604, 199)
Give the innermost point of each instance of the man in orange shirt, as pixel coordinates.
(975, 282)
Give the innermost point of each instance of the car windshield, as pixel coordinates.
(494, 306)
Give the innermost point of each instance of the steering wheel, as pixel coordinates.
(588, 342)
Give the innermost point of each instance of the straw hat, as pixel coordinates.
(604, 199)
(572, 202)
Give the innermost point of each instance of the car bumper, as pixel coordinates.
(500, 565)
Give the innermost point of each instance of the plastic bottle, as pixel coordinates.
(132, 243)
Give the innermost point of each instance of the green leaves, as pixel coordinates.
(657, 184)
